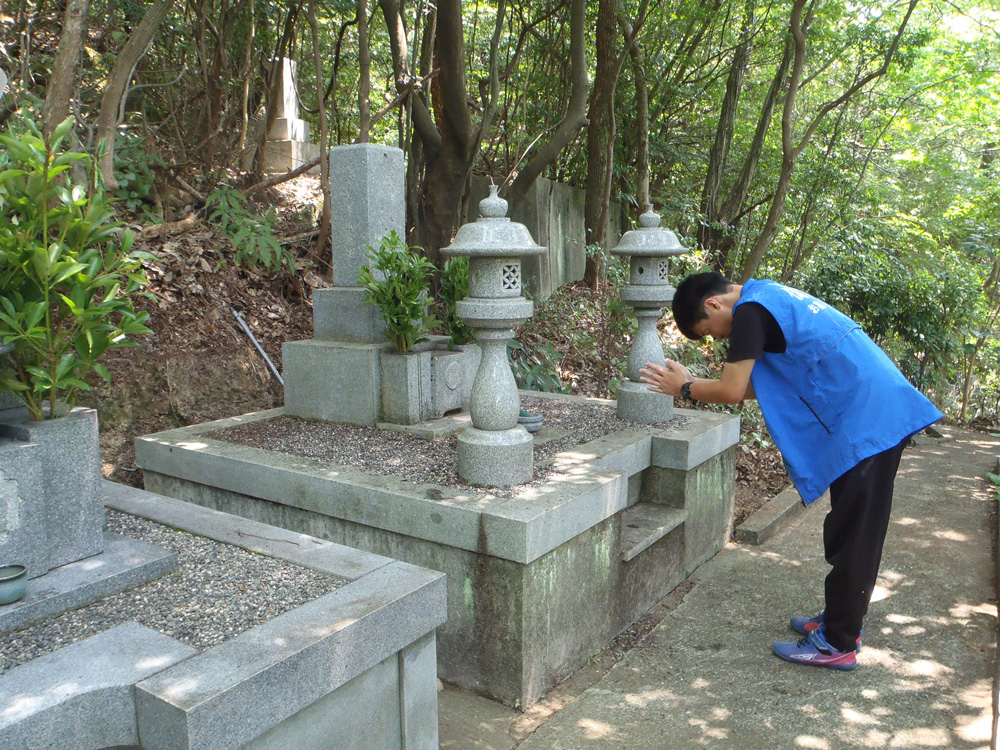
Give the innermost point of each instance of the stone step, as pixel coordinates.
(644, 524)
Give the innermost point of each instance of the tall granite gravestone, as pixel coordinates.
(288, 145)
(339, 375)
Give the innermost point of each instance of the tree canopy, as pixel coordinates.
(849, 148)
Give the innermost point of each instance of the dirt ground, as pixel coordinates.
(199, 365)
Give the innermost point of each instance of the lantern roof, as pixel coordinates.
(649, 239)
(493, 235)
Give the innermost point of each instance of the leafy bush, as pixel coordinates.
(67, 280)
(251, 232)
(536, 369)
(397, 281)
(454, 287)
(133, 167)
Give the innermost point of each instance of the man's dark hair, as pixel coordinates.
(689, 299)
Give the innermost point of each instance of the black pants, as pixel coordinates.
(853, 534)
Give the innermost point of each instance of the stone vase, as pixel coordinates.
(428, 382)
(53, 465)
(405, 386)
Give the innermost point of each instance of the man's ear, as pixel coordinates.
(712, 303)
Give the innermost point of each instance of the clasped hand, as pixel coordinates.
(666, 378)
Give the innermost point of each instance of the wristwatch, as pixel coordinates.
(686, 391)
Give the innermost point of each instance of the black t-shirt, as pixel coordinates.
(754, 332)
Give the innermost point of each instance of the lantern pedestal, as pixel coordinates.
(495, 458)
(637, 403)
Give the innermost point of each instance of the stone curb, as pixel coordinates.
(774, 516)
(787, 505)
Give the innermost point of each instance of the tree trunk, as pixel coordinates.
(113, 100)
(791, 151)
(576, 110)
(600, 134)
(364, 73)
(712, 227)
(641, 120)
(449, 146)
(62, 82)
(324, 163)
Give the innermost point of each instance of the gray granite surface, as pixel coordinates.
(429, 461)
(217, 592)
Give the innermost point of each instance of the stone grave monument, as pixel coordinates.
(287, 146)
(540, 575)
(346, 372)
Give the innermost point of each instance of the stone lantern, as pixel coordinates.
(648, 291)
(496, 451)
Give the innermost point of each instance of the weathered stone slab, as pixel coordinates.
(706, 493)
(707, 435)
(644, 524)
(340, 313)
(23, 532)
(405, 387)
(418, 693)
(301, 549)
(367, 198)
(69, 454)
(332, 381)
(81, 696)
(775, 515)
(285, 665)
(124, 563)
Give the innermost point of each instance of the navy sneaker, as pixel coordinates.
(814, 651)
(805, 625)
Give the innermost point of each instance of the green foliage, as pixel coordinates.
(536, 369)
(397, 281)
(454, 287)
(67, 278)
(251, 232)
(133, 168)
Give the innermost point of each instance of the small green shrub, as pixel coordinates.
(536, 369)
(397, 282)
(133, 168)
(251, 232)
(454, 287)
(66, 271)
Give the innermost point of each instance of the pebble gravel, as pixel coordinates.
(217, 592)
(421, 461)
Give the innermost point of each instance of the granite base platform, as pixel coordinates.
(353, 668)
(536, 583)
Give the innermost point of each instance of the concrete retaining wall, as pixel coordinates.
(536, 583)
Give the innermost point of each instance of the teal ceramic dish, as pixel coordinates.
(13, 583)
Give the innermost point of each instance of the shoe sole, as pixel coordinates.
(811, 663)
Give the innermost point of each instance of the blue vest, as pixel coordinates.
(832, 398)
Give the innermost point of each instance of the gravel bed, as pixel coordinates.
(217, 592)
(426, 461)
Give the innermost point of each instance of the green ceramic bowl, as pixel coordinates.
(13, 583)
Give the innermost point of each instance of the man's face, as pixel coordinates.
(719, 322)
